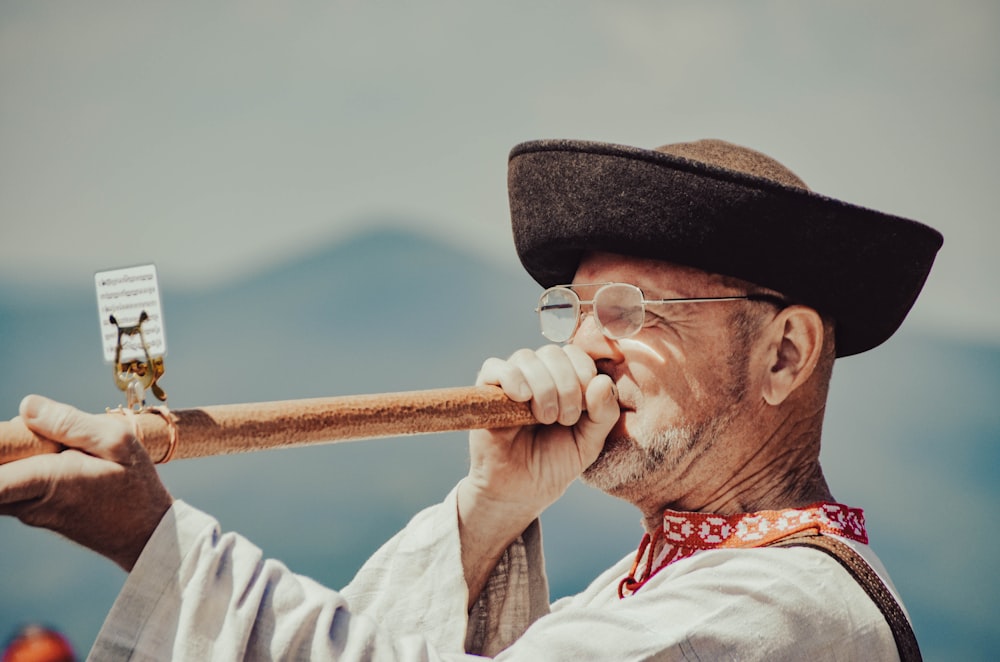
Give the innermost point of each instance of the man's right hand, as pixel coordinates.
(516, 473)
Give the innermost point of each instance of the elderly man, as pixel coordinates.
(700, 293)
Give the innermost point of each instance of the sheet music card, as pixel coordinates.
(126, 293)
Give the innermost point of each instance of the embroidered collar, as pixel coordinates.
(684, 534)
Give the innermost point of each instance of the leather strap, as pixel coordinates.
(906, 641)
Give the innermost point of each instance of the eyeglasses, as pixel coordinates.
(618, 308)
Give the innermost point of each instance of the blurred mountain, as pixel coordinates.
(911, 435)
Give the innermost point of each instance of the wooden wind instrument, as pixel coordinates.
(241, 428)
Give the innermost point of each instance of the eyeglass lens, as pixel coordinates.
(618, 308)
(559, 313)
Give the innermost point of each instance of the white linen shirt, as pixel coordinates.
(199, 594)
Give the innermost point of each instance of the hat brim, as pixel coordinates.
(862, 267)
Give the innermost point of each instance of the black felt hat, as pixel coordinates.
(724, 209)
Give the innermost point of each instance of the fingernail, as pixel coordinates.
(550, 413)
(523, 391)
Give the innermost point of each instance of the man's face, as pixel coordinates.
(682, 379)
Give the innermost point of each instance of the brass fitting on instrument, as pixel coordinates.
(134, 377)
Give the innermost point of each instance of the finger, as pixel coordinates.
(100, 435)
(32, 479)
(22, 481)
(497, 372)
(544, 395)
(582, 362)
(568, 384)
(603, 412)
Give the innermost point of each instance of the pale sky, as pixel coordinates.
(215, 139)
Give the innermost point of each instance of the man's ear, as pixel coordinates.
(795, 344)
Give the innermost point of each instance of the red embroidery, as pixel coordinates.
(684, 534)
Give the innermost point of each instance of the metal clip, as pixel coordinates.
(134, 377)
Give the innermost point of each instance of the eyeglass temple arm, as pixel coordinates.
(767, 298)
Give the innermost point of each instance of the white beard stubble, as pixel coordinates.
(625, 465)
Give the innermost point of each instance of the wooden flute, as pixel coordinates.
(241, 428)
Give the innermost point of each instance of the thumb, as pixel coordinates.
(602, 413)
(103, 436)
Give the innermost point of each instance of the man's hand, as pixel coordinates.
(102, 491)
(516, 473)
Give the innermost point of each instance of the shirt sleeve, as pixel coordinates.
(516, 595)
(197, 593)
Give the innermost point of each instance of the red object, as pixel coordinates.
(35, 643)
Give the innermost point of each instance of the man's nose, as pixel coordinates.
(592, 340)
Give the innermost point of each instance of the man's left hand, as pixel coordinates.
(102, 491)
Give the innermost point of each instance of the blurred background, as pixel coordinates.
(322, 188)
